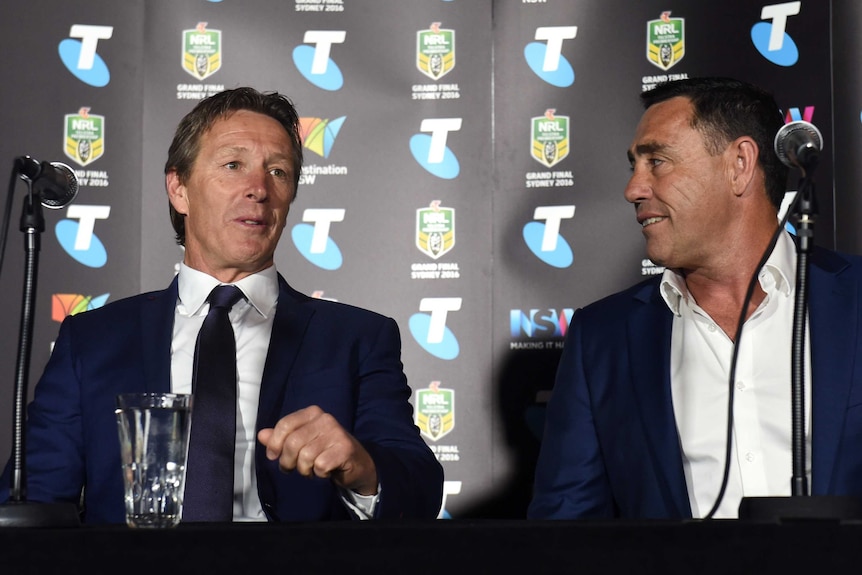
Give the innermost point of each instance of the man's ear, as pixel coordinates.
(177, 192)
(745, 154)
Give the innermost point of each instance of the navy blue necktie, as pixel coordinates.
(210, 467)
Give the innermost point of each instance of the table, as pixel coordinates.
(440, 547)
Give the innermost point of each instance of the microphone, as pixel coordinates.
(54, 182)
(798, 145)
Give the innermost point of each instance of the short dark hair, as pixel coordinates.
(186, 143)
(725, 109)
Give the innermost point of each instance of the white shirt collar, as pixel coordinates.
(260, 289)
(777, 275)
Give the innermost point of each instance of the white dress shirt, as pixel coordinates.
(251, 319)
(761, 455)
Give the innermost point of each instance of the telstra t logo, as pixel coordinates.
(314, 62)
(80, 57)
(547, 60)
(77, 237)
(313, 241)
(430, 331)
(771, 40)
(544, 239)
(431, 151)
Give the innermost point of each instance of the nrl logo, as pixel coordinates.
(665, 40)
(435, 51)
(549, 135)
(201, 51)
(435, 230)
(84, 136)
(435, 411)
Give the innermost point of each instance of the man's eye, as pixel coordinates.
(232, 165)
(278, 173)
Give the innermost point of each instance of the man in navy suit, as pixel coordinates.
(637, 424)
(324, 425)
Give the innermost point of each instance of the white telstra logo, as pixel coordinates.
(439, 129)
(86, 216)
(554, 35)
(439, 308)
(323, 41)
(778, 13)
(90, 36)
(322, 219)
(552, 215)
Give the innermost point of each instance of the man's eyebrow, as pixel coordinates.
(645, 149)
(649, 148)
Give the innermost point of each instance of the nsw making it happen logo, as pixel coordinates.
(430, 330)
(546, 59)
(540, 323)
(313, 241)
(314, 63)
(771, 39)
(544, 239)
(78, 53)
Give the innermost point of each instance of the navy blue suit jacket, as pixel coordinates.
(344, 359)
(610, 446)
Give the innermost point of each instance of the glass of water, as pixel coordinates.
(154, 438)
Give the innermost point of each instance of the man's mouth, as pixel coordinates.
(650, 221)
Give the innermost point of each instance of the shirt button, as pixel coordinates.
(740, 385)
(711, 327)
(749, 457)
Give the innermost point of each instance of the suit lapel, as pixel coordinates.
(649, 340)
(832, 313)
(288, 328)
(157, 325)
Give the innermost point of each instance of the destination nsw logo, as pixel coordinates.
(66, 304)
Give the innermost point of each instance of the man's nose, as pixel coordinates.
(638, 189)
(257, 184)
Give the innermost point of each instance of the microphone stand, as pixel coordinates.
(801, 505)
(18, 512)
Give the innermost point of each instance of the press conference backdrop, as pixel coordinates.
(465, 163)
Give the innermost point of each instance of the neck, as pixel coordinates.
(720, 290)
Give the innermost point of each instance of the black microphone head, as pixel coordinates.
(798, 144)
(56, 185)
(28, 167)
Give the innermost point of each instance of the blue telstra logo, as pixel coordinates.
(313, 241)
(546, 58)
(544, 239)
(314, 63)
(77, 237)
(431, 151)
(770, 39)
(80, 57)
(430, 330)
